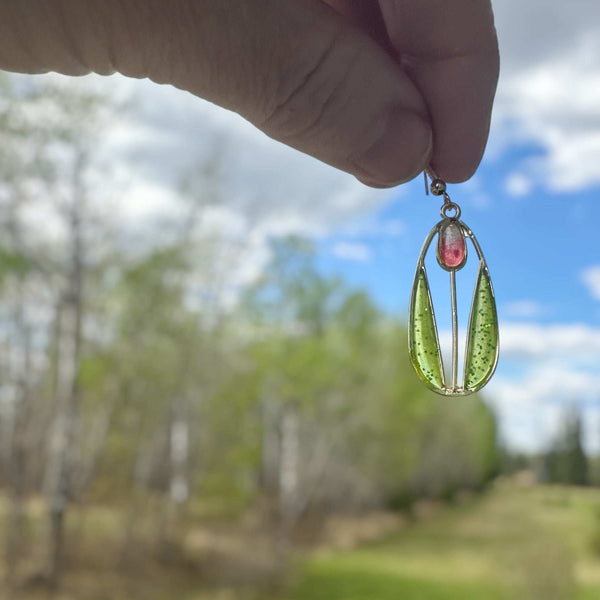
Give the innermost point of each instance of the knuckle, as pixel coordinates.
(312, 85)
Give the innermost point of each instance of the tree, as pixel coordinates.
(128, 380)
(49, 136)
(354, 425)
(566, 460)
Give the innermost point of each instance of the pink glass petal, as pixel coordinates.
(452, 247)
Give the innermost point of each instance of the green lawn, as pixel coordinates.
(514, 543)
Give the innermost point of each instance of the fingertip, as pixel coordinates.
(458, 166)
(400, 153)
(454, 174)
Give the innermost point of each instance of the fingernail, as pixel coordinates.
(400, 153)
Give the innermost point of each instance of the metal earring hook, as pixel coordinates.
(438, 185)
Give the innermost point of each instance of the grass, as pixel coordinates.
(514, 543)
(331, 580)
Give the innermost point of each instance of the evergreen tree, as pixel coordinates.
(566, 461)
(574, 461)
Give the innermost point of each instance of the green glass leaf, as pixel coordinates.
(424, 345)
(482, 340)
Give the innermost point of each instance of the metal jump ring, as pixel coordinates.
(448, 207)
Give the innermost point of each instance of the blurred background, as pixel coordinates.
(204, 384)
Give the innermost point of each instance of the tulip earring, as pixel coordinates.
(481, 355)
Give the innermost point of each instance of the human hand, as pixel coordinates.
(378, 89)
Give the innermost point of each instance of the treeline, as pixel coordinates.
(136, 377)
(565, 461)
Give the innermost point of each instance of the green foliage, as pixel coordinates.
(147, 391)
(14, 263)
(566, 461)
(330, 353)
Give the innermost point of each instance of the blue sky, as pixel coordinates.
(542, 247)
(533, 206)
(537, 245)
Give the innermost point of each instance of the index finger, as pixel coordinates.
(450, 51)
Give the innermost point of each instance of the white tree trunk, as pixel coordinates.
(269, 471)
(179, 451)
(289, 464)
(63, 452)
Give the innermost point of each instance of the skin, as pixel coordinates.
(376, 88)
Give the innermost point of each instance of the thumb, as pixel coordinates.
(295, 68)
(301, 73)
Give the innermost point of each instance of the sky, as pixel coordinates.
(533, 206)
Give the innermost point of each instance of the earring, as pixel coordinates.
(482, 348)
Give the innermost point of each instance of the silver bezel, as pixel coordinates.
(454, 390)
(445, 223)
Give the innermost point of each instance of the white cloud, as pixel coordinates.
(544, 370)
(263, 189)
(532, 408)
(352, 251)
(549, 96)
(172, 134)
(524, 309)
(575, 341)
(591, 279)
(259, 188)
(549, 383)
(518, 185)
(549, 91)
(372, 228)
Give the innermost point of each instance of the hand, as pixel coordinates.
(377, 89)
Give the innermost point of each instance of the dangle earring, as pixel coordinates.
(481, 355)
